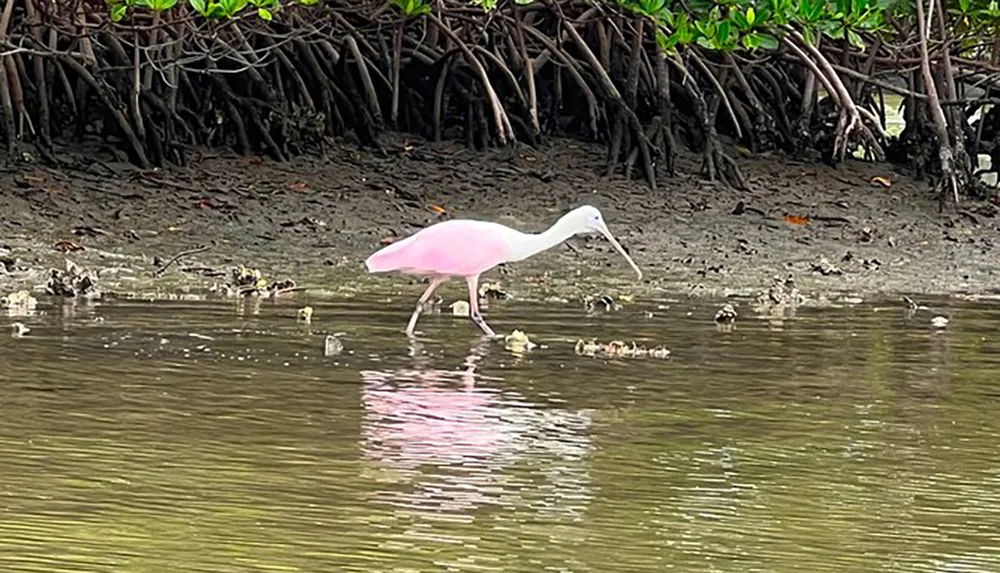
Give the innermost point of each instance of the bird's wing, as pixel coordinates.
(456, 247)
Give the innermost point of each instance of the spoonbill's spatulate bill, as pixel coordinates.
(466, 248)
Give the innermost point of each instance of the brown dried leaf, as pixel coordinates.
(796, 219)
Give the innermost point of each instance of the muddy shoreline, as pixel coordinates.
(315, 220)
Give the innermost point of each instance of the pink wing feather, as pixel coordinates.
(457, 248)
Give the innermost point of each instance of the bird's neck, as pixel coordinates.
(529, 244)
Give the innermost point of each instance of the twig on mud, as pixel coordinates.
(167, 183)
(178, 256)
(278, 292)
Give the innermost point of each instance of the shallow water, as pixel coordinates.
(840, 440)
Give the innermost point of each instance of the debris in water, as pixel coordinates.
(19, 301)
(518, 342)
(73, 282)
(939, 322)
(781, 298)
(281, 287)
(305, 314)
(460, 308)
(332, 346)
(594, 303)
(726, 315)
(433, 305)
(247, 281)
(489, 291)
(618, 349)
(912, 306)
(19, 330)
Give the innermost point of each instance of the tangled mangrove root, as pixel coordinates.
(156, 80)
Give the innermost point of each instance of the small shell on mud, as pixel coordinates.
(460, 308)
(305, 314)
(618, 349)
(18, 330)
(332, 346)
(939, 322)
(518, 342)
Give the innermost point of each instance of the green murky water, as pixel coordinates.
(840, 440)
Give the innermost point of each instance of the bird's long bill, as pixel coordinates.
(614, 242)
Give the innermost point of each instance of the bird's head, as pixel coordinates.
(587, 219)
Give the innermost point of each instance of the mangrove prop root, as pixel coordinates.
(162, 83)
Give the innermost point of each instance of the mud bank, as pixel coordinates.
(315, 220)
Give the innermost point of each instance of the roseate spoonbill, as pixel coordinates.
(467, 248)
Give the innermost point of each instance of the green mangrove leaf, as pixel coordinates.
(265, 14)
(159, 5)
(723, 32)
(232, 7)
(809, 36)
(118, 12)
(486, 5)
(215, 10)
(855, 39)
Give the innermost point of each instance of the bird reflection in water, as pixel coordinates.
(447, 441)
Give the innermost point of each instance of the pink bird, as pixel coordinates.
(467, 248)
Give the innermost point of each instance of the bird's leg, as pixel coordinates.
(474, 306)
(435, 282)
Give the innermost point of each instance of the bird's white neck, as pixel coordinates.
(524, 245)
